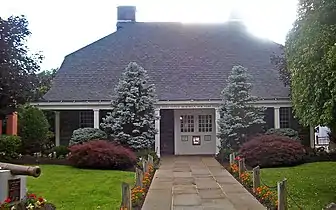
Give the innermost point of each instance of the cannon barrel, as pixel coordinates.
(34, 171)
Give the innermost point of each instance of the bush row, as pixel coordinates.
(100, 154)
(273, 150)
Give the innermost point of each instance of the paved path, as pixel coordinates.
(196, 183)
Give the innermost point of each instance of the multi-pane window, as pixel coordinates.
(285, 117)
(187, 123)
(204, 123)
(86, 119)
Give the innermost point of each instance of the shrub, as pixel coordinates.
(291, 133)
(49, 144)
(319, 154)
(223, 155)
(146, 152)
(61, 151)
(272, 150)
(33, 129)
(82, 135)
(101, 154)
(9, 147)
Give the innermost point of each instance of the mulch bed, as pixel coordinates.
(31, 160)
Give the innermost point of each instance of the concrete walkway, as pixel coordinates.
(196, 183)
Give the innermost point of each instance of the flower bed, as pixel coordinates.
(138, 193)
(264, 195)
(30, 202)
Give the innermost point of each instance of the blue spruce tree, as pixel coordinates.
(239, 117)
(132, 120)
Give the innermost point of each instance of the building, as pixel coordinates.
(189, 65)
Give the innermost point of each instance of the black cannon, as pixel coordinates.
(34, 171)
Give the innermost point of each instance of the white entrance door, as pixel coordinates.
(195, 131)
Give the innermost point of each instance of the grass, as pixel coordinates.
(312, 185)
(71, 188)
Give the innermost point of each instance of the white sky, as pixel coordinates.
(60, 27)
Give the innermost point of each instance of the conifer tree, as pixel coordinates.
(239, 117)
(132, 120)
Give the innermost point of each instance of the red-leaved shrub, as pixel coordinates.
(272, 150)
(101, 154)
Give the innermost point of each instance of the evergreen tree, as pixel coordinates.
(239, 118)
(132, 121)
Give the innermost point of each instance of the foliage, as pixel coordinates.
(272, 150)
(234, 170)
(83, 135)
(101, 189)
(100, 154)
(319, 154)
(223, 155)
(61, 151)
(17, 65)
(311, 58)
(267, 197)
(246, 179)
(31, 202)
(33, 129)
(280, 62)
(312, 185)
(239, 117)
(44, 81)
(263, 194)
(144, 154)
(138, 193)
(9, 147)
(49, 143)
(132, 120)
(291, 133)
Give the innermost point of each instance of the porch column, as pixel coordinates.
(96, 118)
(11, 125)
(276, 117)
(157, 135)
(218, 142)
(57, 128)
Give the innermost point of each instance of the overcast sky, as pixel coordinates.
(60, 27)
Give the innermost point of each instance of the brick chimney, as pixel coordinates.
(125, 14)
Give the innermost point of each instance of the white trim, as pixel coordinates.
(73, 105)
(57, 128)
(90, 105)
(276, 117)
(96, 118)
(157, 135)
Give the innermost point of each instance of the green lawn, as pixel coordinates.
(312, 185)
(71, 188)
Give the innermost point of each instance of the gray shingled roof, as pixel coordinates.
(184, 61)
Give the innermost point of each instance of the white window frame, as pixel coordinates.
(86, 119)
(185, 125)
(285, 115)
(207, 125)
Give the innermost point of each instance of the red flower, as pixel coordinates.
(41, 199)
(238, 158)
(32, 196)
(8, 200)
